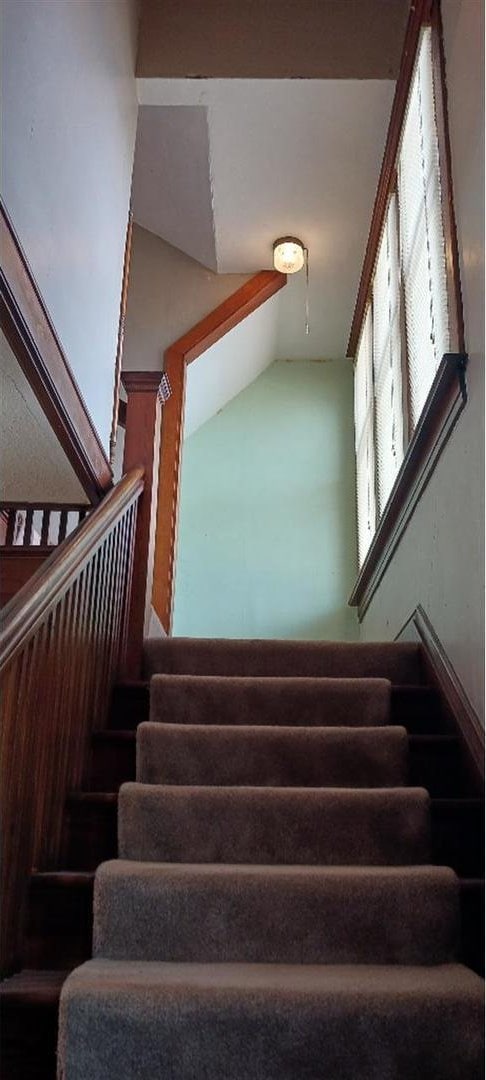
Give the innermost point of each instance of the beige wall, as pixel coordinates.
(440, 560)
(33, 465)
(168, 294)
(69, 113)
(356, 39)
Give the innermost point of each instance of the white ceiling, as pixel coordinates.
(277, 156)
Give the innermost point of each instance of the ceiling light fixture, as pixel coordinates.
(289, 256)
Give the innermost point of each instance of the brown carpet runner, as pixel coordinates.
(272, 915)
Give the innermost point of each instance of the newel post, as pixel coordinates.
(142, 439)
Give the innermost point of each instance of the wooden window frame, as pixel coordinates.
(448, 393)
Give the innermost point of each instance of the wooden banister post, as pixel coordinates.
(142, 439)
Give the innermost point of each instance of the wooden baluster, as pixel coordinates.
(63, 520)
(29, 518)
(46, 516)
(9, 535)
(55, 690)
(142, 439)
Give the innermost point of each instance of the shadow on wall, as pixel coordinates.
(267, 535)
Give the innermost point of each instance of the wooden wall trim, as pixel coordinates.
(176, 358)
(141, 450)
(420, 14)
(443, 676)
(115, 419)
(33, 339)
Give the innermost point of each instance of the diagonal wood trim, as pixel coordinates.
(443, 676)
(115, 419)
(420, 14)
(184, 351)
(34, 341)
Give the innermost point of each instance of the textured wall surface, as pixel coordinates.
(69, 114)
(168, 294)
(267, 538)
(440, 560)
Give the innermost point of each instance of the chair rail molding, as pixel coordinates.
(443, 676)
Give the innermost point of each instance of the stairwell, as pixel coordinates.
(287, 899)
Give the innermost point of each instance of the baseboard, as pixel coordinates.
(443, 676)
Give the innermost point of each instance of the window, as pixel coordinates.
(405, 331)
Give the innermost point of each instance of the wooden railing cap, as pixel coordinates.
(40, 594)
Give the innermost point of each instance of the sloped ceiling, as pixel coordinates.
(258, 159)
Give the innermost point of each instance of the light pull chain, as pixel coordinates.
(306, 255)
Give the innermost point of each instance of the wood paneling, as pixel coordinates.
(141, 450)
(184, 351)
(17, 564)
(61, 650)
(34, 342)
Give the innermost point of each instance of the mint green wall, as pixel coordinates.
(267, 532)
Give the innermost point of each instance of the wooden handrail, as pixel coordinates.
(26, 505)
(63, 645)
(21, 616)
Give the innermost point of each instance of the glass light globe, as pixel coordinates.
(288, 255)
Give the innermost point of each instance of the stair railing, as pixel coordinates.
(38, 524)
(63, 640)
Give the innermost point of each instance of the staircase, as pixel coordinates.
(287, 899)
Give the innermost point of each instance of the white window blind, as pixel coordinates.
(364, 439)
(422, 235)
(387, 358)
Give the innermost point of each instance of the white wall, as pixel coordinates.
(168, 294)
(69, 117)
(440, 560)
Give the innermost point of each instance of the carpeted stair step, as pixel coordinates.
(398, 662)
(457, 828)
(196, 754)
(273, 825)
(279, 914)
(270, 1022)
(212, 699)
(417, 708)
(434, 762)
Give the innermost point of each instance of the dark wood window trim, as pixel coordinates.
(32, 337)
(447, 395)
(444, 405)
